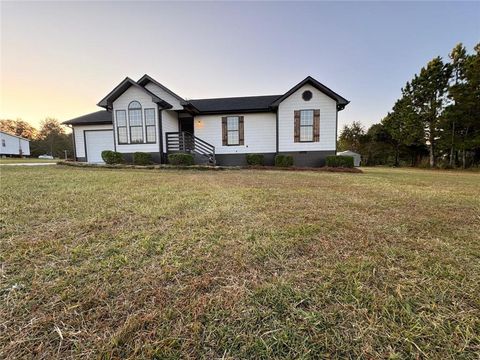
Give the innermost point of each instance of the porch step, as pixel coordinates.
(203, 152)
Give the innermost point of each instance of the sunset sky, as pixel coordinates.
(60, 59)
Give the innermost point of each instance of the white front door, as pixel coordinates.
(97, 141)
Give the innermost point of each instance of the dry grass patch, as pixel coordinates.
(239, 264)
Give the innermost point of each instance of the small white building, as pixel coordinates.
(357, 158)
(14, 145)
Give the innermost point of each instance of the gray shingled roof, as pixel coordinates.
(98, 117)
(234, 104)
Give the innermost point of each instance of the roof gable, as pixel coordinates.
(145, 79)
(341, 101)
(108, 100)
(15, 136)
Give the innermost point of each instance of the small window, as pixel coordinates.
(150, 128)
(306, 125)
(121, 126)
(3, 143)
(233, 136)
(307, 95)
(135, 122)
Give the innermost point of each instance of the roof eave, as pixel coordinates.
(147, 78)
(340, 100)
(108, 100)
(236, 111)
(88, 123)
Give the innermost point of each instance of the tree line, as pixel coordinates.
(51, 138)
(435, 122)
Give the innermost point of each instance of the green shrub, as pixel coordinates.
(180, 159)
(339, 161)
(141, 158)
(112, 157)
(255, 159)
(283, 160)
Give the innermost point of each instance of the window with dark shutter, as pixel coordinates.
(224, 131)
(296, 132)
(241, 139)
(316, 125)
(307, 125)
(232, 130)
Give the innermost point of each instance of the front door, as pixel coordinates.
(186, 124)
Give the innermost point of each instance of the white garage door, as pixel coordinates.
(97, 141)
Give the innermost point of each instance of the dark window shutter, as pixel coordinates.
(241, 137)
(316, 125)
(224, 131)
(296, 133)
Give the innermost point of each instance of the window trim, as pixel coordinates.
(136, 126)
(154, 126)
(312, 126)
(237, 131)
(118, 127)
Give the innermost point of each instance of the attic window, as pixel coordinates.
(307, 95)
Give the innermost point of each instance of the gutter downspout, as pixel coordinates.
(160, 134)
(276, 139)
(336, 129)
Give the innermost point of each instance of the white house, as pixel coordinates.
(145, 116)
(14, 145)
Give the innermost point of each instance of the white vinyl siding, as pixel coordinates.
(164, 95)
(169, 124)
(259, 133)
(286, 121)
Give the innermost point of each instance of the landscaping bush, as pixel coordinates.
(283, 160)
(112, 157)
(180, 159)
(255, 159)
(339, 161)
(141, 158)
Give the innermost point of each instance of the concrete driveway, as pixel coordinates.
(29, 164)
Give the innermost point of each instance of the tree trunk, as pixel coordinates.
(396, 155)
(464, 160)
(452, 148)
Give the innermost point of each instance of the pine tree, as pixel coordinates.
(428, 93)
(403, 125)
(465, 108)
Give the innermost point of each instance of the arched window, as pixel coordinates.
(135, 122)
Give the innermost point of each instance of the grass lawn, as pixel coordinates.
(99, 263)
(25, 160)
